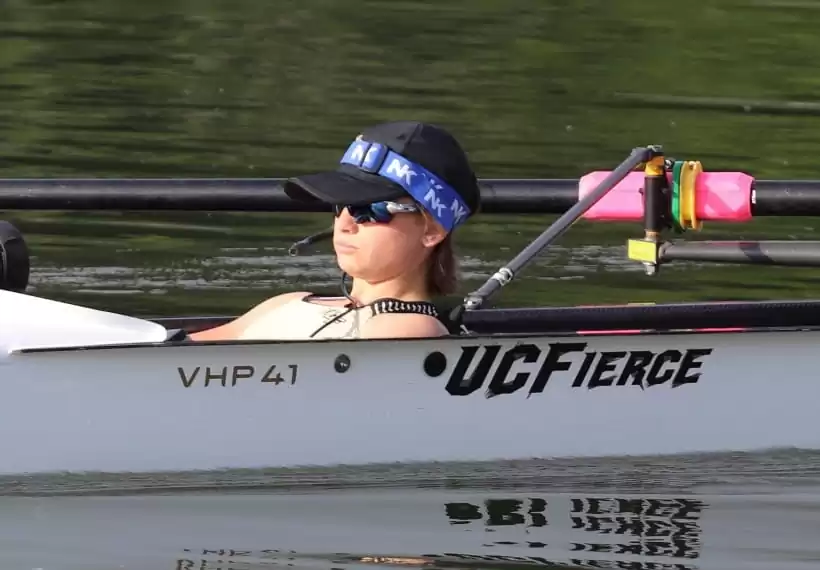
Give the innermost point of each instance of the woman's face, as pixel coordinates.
(376, 252)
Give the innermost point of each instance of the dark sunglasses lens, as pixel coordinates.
(363, 214)
(379, 212)
(354, 211)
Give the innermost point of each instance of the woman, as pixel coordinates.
(399, 192)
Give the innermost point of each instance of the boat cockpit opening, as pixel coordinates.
(696, 316)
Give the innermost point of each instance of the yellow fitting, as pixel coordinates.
(688, 206)
(654, 167)
(645, 251)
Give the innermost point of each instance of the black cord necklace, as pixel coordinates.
(379, 306)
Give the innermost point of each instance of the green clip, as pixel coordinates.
(676, 174)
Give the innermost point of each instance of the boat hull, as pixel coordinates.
(202, 406)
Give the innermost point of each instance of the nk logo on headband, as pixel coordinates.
(435, 204)
(438, 197)
(402, 170)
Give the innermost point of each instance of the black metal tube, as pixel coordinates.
(151, 194)
(786, 198)
(245, 195)
(513, 196)
(790, 253)
(655, 204)
(536, 195)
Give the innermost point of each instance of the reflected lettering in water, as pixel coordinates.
(648, 527)
(635, 533)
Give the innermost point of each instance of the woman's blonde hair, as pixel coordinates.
(442, 265)
(442, 272)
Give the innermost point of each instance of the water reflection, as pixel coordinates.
(640, 526)
(552, 531)
(704, 512)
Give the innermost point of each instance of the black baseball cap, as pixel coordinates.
(393, 160)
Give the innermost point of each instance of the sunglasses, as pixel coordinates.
(379, 212)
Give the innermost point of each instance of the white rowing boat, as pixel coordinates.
(76, 402)
(88, 390)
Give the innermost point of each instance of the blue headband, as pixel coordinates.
(437, 197)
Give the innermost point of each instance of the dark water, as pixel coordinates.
(534, 89)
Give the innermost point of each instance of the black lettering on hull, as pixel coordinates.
(230, 376)
(528, 353)
(554, 362)
(458, 385)
(581, 367)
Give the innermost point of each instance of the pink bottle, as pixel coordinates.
(719, 196)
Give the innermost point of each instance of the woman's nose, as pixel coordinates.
(345, 222)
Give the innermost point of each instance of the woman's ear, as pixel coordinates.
(434, 234)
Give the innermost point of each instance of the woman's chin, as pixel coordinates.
(347, 263)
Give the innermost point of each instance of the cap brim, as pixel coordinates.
(343, 187)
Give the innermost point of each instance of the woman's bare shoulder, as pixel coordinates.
(234, 328)
(278, 300)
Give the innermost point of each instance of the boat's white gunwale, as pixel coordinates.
(463, 337)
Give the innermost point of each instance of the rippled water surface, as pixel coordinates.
(248, 88)
(714, 511)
